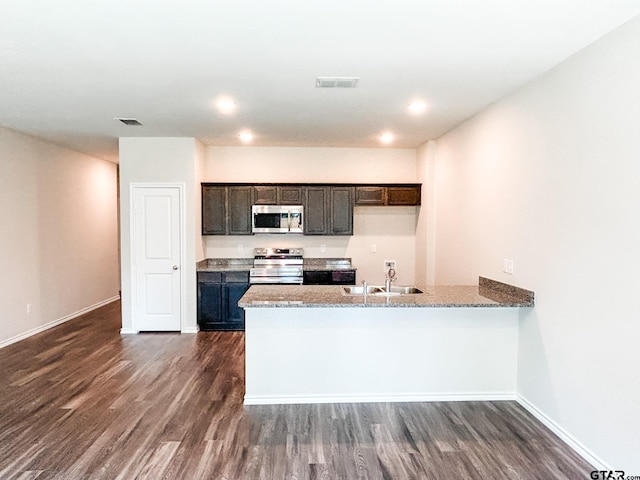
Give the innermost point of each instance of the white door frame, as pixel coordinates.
(183, 240)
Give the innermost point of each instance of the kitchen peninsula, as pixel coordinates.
(314, 344)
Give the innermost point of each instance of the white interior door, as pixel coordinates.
(157, 252)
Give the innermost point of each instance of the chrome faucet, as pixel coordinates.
(364, 287)
(389, 277)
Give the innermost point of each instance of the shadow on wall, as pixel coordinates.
(531, 349)
(385, 220)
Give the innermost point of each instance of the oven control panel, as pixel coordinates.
(267, 252)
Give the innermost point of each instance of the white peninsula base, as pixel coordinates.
(337, 355)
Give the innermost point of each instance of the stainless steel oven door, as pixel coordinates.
(276, 281)
(276, 275)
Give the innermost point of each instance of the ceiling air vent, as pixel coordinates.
(337, 82)
(132, 122)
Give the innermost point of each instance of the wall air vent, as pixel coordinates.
(337, 82)
(132, 122)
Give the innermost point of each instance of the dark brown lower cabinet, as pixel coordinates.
(329, 277)
(218, 295)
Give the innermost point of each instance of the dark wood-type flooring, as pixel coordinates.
(80, 401)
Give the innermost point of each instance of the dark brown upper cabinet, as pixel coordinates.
(328, 210)
(214, 210)
(277, 195)
(226, 210)
(403, 195)
(226, 207)
(371, 196)
(316, 211)
(290, 195)
(265, 195)
(239, 210)
(394, 195)
(341, 211)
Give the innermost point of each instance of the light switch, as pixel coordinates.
(374, 249)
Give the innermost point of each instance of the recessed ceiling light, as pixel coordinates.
(226, 105)
(387, 138)
(417, 107)
(245, 136)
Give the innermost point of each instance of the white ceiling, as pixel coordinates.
(68, 69)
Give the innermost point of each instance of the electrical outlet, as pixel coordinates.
(28, 308)
(323, 248)
(240, 248)
(507, 266)
(388, 265)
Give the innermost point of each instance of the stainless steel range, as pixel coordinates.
(277, 265)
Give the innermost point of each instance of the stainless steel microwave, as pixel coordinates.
(277, 219)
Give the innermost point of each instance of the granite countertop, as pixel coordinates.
(488, 293)
(323, 264)
(224, 265)
(245, 264)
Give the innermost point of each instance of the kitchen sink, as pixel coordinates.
(358, 290)
(405, 290)
(379, 290)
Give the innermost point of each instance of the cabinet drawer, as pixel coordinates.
(215, 277)
(241, 277)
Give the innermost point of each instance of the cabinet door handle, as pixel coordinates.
(175, 267)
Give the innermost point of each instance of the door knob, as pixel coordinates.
(175, 267)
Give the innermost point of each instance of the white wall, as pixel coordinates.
(425, 228)
(161, 160)
(550, 177)
(58, 234)
(391, 229)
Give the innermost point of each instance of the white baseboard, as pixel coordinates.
(57, 322)
(565, 436)
(393, 398)
(130, 331)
